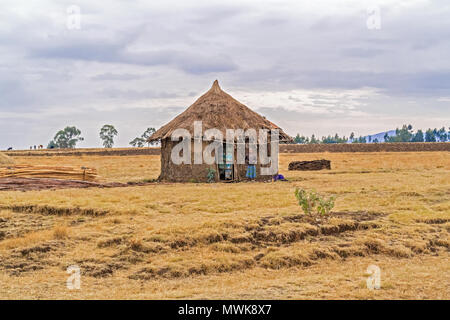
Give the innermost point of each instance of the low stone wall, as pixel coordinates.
(284, 148)
(366, 147)
(85, 152)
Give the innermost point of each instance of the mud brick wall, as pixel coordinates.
(86, 152)
(284, 148)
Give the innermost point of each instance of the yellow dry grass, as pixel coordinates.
(246, 240)
(60, 232)
(109, 168)
(42, 171)
(5, 160)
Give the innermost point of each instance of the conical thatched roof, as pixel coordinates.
(217, 109)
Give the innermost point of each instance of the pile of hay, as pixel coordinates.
(5, 160)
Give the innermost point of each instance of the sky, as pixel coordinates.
(319, 67)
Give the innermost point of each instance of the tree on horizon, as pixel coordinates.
(66, 138)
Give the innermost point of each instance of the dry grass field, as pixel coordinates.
(245, 240)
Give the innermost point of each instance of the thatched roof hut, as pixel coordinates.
(215, 109)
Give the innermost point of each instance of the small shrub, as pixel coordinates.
(313, 203)
(325, 205)
(210, 175)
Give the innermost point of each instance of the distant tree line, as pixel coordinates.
(143, 139)
(68, 137)
(405, 134)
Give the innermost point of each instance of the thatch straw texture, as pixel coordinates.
(217, 109)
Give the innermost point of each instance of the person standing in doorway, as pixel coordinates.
(251, 167)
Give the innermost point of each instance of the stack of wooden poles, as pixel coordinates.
(42, 171)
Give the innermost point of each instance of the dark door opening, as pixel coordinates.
(226, 170)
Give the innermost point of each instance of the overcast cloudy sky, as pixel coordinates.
(309, 66)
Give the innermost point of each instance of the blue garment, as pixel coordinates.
(251, 171)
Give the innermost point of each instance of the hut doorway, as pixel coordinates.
(226, 169)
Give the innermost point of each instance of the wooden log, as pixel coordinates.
(41, 171)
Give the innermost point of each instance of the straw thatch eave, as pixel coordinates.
(217, 109)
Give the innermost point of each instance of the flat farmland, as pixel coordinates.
(242, 240)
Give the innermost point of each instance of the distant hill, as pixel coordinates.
(378, 137)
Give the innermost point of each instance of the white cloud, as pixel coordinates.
(306, 64)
